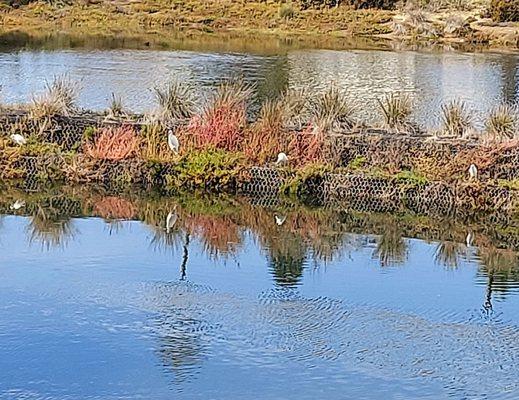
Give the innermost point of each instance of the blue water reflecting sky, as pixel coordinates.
(107, 316)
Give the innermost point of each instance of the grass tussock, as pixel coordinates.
(396, 111)
(175, 101)
(114, 144)
(503, 123)
(457, 119)
(59, 97)
(332, 110)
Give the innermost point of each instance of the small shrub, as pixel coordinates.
(113, 144)
(504, 10)
(116, 107)
(222, 124)
(503, 122)
(287, 11)
(396, 110)
(456, 118)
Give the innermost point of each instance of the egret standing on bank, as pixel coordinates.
(280, 220)
(282, 159)
(18, 139)
(173, 142)
(473, 172)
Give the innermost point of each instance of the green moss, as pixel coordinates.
(410, 178)
(299, 185)
(357, 163)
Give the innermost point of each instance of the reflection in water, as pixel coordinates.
(482, 80)
(304, 310)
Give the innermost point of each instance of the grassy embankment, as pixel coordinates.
(161, 21)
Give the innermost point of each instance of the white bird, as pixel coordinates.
(18, 139)
(171, 220)
(469, 239)
(17, 205)
(282, 159)
(473, 172)
(173, 142)
(280, 220)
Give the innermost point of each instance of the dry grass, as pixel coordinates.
(396, 110)
(114, 144)
(59, 98)
(503, 123)
(332, 110)
(457, 119)
(176, 102)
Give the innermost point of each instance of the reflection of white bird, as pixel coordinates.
(171, 220)
(280, 220)
(282, 159)
(18, 139)
(470, 239)
(17, 205)
(173, 143)
(473, 172)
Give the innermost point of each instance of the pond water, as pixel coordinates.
(107, 296)
(431, 78)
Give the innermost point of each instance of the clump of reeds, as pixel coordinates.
(116, 107)
(154, 143)
(114, 144)
(277, 120)
(176, 102)
(332, 110)
(457, 119)
(222, 123)
(503, 122)
(396, 110)
(59, 98)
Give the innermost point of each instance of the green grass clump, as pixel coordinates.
(209, 168)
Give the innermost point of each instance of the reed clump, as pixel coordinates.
(59, 97)
(503, 123)
(457, 119)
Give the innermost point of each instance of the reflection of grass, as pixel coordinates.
(447, 254)
(391, 248)
(51, 230)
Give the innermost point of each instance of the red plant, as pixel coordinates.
(114, 144)
(220, 127)
(307, 146)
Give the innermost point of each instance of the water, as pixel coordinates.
(99, 301)
(431, 78)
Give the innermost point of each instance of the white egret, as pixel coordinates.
(18, 139)
(17, 205)
(280, 220)
(469, 240)
(171, 219)
(473, 172)
(282, 159)
(173, 142)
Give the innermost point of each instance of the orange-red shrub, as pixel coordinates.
(114, 144)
